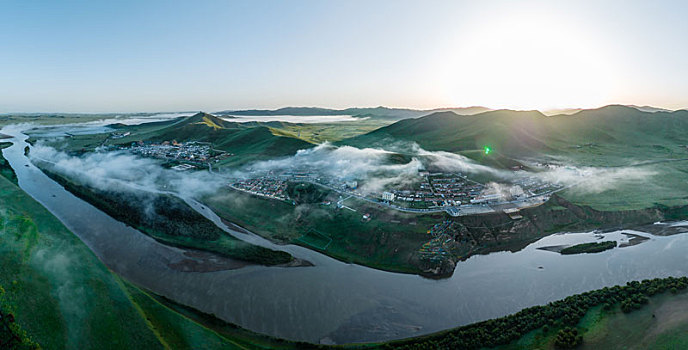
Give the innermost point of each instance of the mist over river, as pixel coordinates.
(338, 302)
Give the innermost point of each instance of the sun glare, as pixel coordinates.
(530, 61)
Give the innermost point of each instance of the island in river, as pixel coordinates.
(594, 247)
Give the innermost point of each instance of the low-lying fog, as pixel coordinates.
(310, 119)
(374, 169)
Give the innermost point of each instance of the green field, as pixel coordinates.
(657, 319)
(389, 241)
(661, 324)
(666, 186)
(63, 297)
(316, 240)
(612, 136)
(51, 119)
(171, 221)
(5, 168)
(60, 293)
(245, 141)
(332, 132)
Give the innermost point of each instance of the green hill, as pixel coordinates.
(62, 296)
(247, 141)
(530, 133)
(448, 131)
(369, 112)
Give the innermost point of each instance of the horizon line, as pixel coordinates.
(544, 111)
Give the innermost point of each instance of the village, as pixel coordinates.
(263, 187)
(453, 193)
(188, 154)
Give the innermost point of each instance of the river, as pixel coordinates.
(336, 302)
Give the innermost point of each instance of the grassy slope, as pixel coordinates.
(52, 119)
(391, 240)
(180, 326)
(5, 168)
(65, 298)
(652, 321)
(609, 136)
(666, 185)
(662, 324)
(380, 242)
(332, 132)
(246, 141)
(447, 131)
(531, 133)
(173, 222)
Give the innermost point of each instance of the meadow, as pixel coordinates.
(60, 294)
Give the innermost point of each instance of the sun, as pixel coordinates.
(530, 61)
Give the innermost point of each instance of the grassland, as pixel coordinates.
(389, 241)
(245, 141)
(63, 297)
(590, 314)
(661, 324)
(134, 318)
(612, 136)
(6, 170)
(331, 132)
(665, 185)
(183, 327)
(61, 294)
(50, 119)
(169, 220)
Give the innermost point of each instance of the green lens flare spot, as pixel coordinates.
(487, 149)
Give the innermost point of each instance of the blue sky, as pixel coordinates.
(126, 56)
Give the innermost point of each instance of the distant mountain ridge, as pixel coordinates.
(527, 133)
(400, 113)
(650, 109)
(381, 112)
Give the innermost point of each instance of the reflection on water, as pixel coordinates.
(338, 302)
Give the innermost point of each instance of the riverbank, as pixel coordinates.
(171, 221)
(63, 296)
(378, 243)
(541, 327)
(391, 241)
(661, 324)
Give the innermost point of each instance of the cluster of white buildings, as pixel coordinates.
(437, 190)
(264, 187)
(193, 152)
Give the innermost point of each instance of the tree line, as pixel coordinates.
(564, 314)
